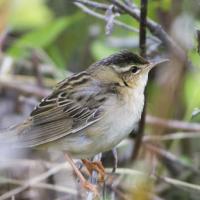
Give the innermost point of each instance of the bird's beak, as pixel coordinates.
(156, 63)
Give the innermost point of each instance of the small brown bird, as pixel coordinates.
(89, 112)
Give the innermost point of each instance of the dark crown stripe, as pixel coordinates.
(121, 58)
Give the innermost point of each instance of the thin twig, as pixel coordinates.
(35, 62)
(143, 23)
(168, 156)
(184, 185)
(105, 7)
(56, 188)
(33, 181)
(93, 4)
(172, 136)
(100, 16)
(3, 38)
(181, 184)
(155, 28)
(173, 124)
(29, 79)
(142, 44)
(27, 90)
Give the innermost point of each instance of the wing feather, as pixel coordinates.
(62, 113)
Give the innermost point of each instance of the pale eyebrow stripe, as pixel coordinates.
(122, 69)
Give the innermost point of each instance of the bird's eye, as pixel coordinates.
(134, 69)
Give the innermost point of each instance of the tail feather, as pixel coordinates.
(10, 144)
(10, 137)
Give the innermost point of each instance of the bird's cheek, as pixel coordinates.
(130, 78)
(132, 81)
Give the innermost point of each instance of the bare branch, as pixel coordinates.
(3, 37)
(47, 186)
(36, 70)
(100, 16)
(143, 23)
(173, 124)
(142, 44)
(33, 181)
(154, 28)
(27, 90)
(97, 5)
(93, 4)
(172, 136)
(181, 184)
(169, 157)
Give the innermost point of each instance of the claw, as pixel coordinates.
(84, 182)
(97, 166)
(90, 187)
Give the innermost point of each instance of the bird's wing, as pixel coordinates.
(74, 105)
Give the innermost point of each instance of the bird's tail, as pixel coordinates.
(6, 135)
(10, 142)
(10, 137)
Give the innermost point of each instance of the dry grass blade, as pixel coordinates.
(56, 188)
(182, 185)
(33, 181)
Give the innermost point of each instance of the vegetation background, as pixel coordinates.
(42, 42)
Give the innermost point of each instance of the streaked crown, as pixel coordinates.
(122, 59)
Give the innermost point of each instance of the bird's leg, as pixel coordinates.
(79, 164)
(97, 166)
(83, 181)
(114, 152)
(115, 163)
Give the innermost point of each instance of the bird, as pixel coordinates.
(89, 112)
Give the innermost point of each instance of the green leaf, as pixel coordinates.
(55, 55)
(40, 38)
(28, 14)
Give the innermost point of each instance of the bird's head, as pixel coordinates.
(125, 68)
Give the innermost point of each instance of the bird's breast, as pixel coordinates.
(128, 113)
(121, 118)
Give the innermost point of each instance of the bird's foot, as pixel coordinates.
(90, 187)
(97, 166)
(84, 182)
